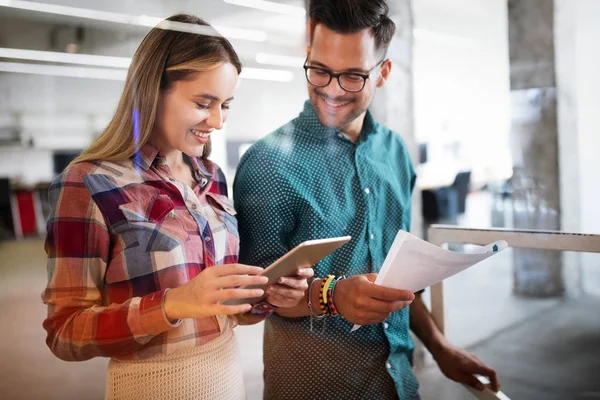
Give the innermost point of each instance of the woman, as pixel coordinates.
(140, 219)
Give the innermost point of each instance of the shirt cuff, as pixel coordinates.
(263, 307)
(152, 314)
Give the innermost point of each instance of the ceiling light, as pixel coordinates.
(275, 75)
(142, 20)
(50, 56)
(269, 6)
(68, 11)
(62, 70)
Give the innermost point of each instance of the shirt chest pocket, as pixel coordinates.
(148, 228)
(223, 208)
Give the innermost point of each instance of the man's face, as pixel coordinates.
(336, 52)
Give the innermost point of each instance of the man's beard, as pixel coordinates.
(340, 120)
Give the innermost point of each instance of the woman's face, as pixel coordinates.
(192, 109)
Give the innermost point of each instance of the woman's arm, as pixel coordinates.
(79, 326)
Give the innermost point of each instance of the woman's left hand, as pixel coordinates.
(289, 291)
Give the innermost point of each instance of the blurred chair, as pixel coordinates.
(6, 220)
(447, 203)
(461, 186)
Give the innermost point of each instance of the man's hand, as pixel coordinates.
(362, 302)
(461, 366)
(289, 291)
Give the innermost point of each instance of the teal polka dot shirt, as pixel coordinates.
(306, 181)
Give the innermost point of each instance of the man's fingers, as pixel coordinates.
(388, 294)
(285, 292)
(378, 306)
(305, 273)
(295, 283)
(495, 382)
(489, 373)
(472, 381)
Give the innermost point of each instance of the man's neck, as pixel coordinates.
(353, 129)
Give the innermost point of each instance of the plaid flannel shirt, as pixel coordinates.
(119, 235)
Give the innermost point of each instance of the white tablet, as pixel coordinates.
(305, 255)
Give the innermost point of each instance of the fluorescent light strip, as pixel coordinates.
(69, 11)
(279, 60)
(67, 58)
(274, 75)
(269, 6)
(245, 34)
(142, 20)
(62, 70)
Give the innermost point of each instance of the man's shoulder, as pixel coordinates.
(391, 136)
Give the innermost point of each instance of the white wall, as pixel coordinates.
(462, 87)
(578, 83)
(261, 107)
(588, 107)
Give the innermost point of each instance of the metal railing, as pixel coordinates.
(441, 235)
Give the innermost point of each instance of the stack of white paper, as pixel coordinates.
(414, 264)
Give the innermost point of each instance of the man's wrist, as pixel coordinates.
(315, 296)
(438, 344)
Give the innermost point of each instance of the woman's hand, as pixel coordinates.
(288, 291)
(202, 296)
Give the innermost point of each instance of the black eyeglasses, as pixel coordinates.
(349, 81)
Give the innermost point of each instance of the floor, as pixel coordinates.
(542, 349)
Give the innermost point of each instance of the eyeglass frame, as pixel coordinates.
(337, 75)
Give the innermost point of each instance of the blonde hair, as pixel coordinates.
(174, 50)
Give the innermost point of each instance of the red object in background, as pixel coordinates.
(26, 206)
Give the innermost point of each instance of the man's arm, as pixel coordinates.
(357, 299)
(457, 364)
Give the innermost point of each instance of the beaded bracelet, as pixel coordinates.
(323, 298)
(330, 303)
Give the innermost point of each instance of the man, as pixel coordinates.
(334, 171)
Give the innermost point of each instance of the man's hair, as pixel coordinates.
(351, 16)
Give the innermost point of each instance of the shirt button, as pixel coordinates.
(207, 238)
(367, 190)
(388, 365)
(194, 206)
(386, 325)
(372, 236)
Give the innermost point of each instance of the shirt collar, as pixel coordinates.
(309, 122)
(149, 155)
(145, 156)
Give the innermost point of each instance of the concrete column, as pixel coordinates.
(534, 137)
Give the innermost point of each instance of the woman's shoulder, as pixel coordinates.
(76, 173)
